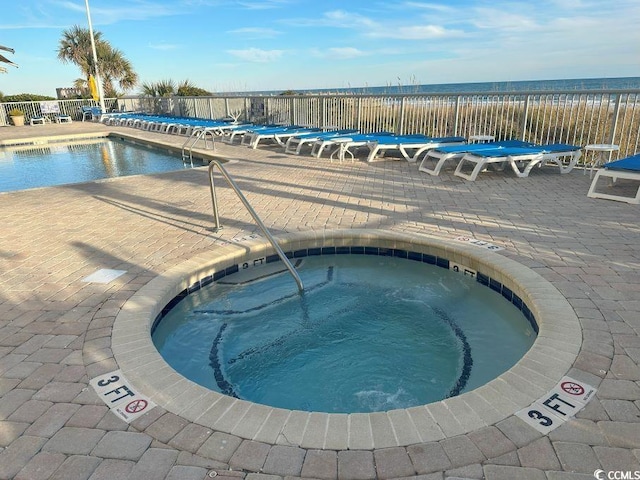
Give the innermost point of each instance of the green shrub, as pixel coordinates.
(26, 97)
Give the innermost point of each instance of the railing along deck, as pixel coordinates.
(575, 117)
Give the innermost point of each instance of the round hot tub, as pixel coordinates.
(375, 329)
(423, 331)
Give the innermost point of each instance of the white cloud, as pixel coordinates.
(501, 20)
(255, 32)
(399, 29)
(344, 53)
(204, 3)
(435, 7)
(568, 4)
(415, 32)
(264, 4)
(338, 19)
(344, 19)
(133, 10)
(257, 55)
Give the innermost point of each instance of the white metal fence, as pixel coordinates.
(575, 117)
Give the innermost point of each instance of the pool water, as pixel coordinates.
(369, 334)
(30, 166)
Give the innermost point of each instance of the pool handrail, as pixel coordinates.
(216, 218)
(196, 135)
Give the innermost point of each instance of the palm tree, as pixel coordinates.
(187, 89)
(4, 59)
(159, 93)
(162, 88)
(114, 67)
(75, 47)
(168, 88)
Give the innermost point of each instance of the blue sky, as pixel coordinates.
(222, 45)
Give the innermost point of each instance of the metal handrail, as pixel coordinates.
(193, 139)
(254, 215)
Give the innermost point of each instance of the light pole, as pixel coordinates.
(95, 60)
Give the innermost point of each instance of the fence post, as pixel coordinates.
(456, 116)
(614, 119)
(525, 116)
(293, 114)
(402, 112)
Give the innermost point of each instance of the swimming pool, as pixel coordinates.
(371, 332)
(66, 162)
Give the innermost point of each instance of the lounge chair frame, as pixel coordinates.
(441, 156)
(296, 143)
(344, 142)
(410, 147)
(279, 135)
(528, 157)
(613, 173)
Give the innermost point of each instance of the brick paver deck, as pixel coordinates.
(55, 330)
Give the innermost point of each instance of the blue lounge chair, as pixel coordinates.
(297, 142)
(278, 134)
(529, 157)
(189, 126)
(455, 152)
(626, 168)
(382, 142)
(344, 142)
(39, 120)
(91, 113)
(230, 133)
(247, 130)
(176, 125)
(409, 146)
(281, 138)
(124, 119)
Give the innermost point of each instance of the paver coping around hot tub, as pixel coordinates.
(549, 359)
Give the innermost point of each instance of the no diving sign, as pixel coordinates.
(120, 397)
(566, 399)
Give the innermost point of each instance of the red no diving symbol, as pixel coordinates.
(136, 406)
(572, 388)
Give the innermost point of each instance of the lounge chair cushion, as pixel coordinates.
(629, 163)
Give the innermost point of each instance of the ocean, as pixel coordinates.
(624, 83)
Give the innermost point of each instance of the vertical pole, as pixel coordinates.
(614, 119)
(456, 117)
(525, 118)
(293, 114)
(95, 60)
(402, 113)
